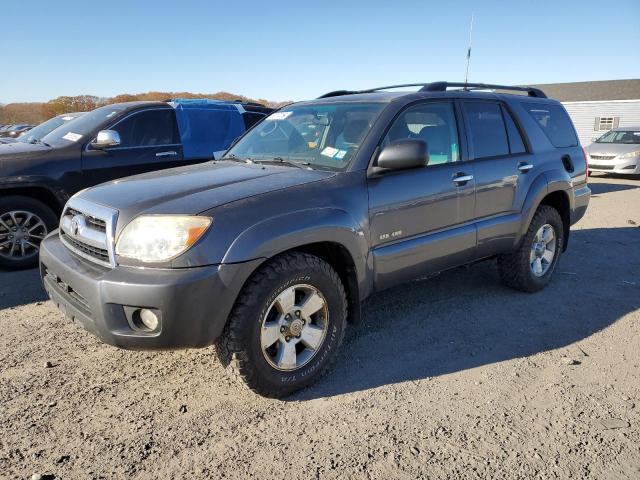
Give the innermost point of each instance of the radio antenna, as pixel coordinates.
(466, 75)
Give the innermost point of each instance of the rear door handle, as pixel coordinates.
(524, 167)
(171, 153)
(461, 179)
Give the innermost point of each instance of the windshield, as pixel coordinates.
(44, 128)
(620, 136)
(77, 129)
(323, 135)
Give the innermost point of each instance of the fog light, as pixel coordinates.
(149, 319)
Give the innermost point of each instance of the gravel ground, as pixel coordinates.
(456, 376)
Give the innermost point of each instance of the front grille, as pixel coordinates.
(87, 229)
(602, 157)
(98, 253)
(602, 167)
(67, 290)
(96, 223)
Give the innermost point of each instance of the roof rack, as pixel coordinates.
(442, 87)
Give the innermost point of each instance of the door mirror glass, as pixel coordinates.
(106, 139)
(403, 154)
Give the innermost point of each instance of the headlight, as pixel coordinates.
(631, 154)
(157, 238)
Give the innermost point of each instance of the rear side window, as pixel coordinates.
(555, 123)
(487, 130)
(148, 128)
(516, 145)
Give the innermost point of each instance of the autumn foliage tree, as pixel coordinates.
(35, 113)
(60, 105)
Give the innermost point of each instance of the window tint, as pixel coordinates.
(555, 123)
(435, 123)
(148, 128)
(487, 132)
(516, 145)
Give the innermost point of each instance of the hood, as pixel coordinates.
(196, 188)
(20, 150)
(612, 148)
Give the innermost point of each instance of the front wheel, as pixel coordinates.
(531, 267)
(24, 222)
(286, 326)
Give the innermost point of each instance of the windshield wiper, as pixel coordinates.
(286, 162)
(33, 141)
(234, 158)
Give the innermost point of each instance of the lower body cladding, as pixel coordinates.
(138, 308)
(621, 167)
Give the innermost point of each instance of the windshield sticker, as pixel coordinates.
(278, 116)
(340, 155)
(329, 152)
(66, 119)
(72, 137)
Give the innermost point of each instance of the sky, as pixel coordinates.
(294, 50)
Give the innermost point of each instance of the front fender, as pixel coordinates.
(15, 183)
(277, 234)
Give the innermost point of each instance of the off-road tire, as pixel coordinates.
(515, 268)
(239, 347)
(22, 203)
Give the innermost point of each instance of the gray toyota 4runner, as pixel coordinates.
(268, 252)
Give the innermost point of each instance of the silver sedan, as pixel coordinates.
(617, 151)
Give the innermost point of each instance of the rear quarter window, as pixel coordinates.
(554, 122)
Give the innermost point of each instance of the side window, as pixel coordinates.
(554, 122)
(148, 128)
(488, 135)
(433, 122)
(516, 145)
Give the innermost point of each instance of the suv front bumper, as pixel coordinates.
(193, 303)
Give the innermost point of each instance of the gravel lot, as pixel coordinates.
(455, 376)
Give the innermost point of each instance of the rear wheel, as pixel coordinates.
(286, 326)
(24, 222)
(531, 267)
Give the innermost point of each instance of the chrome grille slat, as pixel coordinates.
(88, 230)
(99, 253)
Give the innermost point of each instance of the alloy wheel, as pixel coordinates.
(294, 327)
(20, 234)
(543, 250)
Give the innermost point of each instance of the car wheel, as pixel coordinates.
(531, 267)
(24, 222)
(286, 326)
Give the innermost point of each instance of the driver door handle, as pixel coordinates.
(524, 167)
(170, 153)
(461, 179)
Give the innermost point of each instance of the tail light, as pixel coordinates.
(586, 165)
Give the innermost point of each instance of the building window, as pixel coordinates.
(606, 123)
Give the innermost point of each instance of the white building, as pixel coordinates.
(596, 107)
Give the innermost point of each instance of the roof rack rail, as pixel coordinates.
(442, 87)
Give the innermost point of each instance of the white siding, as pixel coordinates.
(583, 115)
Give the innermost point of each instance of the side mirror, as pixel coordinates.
(106, 139)
(403, 154)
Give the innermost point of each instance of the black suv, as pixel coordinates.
(38, 174)
(268, 252)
